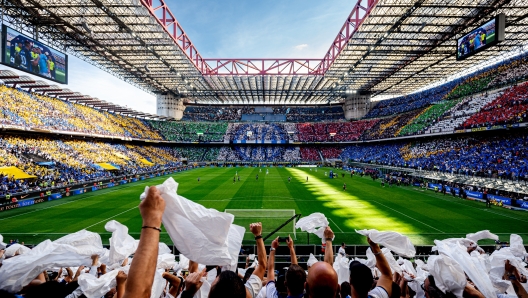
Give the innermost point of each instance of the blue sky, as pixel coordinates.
(228, 29)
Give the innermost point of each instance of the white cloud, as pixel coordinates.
(301, 47)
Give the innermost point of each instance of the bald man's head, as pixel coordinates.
(321, 281)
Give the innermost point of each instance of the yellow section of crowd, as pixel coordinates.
(38, 111)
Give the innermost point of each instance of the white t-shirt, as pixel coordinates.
(378, 292)
(271, 290)
(342, 251)
(253, 284)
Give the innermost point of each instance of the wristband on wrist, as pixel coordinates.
(377, 253)
(272, 249)
(148, 227)
(328, 239)
(258, 237)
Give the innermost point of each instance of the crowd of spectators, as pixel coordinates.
(331, 152)
(454, 117)
(20, 108)
(509, 108)
(77, 265)
(56, 162)
(429, 117)
(333, 131)
(191, 131)
(411, 102)
(390, 127)
(503, 156)
(310, 154)
(293, 114)
(259, 154)
(256, 132)
(201, 113)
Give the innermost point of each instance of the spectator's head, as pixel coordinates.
(432, 291)
(227, 284)
(360, 278)
(343, 245)
(345, 290)
(295, 279)
(321, 281)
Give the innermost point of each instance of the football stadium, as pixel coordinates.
(393, 163)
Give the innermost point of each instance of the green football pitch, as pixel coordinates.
(421, 215)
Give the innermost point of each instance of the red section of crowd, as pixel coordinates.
(309, 154)
(333, 132)
(331, 152)
(509, 108)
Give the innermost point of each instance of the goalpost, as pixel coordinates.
(272, 220)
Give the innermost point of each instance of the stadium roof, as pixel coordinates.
(385, 47)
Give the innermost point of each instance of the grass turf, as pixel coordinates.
(421, 215)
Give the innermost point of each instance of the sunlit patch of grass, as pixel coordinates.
(353, 212)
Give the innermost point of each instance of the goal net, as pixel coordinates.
(273, 220)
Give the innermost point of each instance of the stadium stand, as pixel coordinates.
(508, 108)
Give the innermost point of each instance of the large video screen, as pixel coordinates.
(26, 54)
(481, 38)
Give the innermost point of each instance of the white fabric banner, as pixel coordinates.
(396, 242)
(314, 223)
(486, 234)
(448, 274)
(74, 250)
(200, 234)
(456, 250)
(122, 245)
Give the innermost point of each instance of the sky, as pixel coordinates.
(228, 29)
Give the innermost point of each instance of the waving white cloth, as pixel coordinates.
(17, 272)
(166, 261)
(311, 260)
(448, 274)
(486, 234)
(396, 242)
(2, 244)
(93, 287)
(121, 244)
(517, 246)
(15, 249)
(498, 260)
(184, 262)
(163, 249)
(341, 266)
(314, 223)
(371, 260)
(199, 233)
(457, 251)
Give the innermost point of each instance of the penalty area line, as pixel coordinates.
(336, 225)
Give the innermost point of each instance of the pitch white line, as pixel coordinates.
(408, 216)
(336, 225)
(110, 217)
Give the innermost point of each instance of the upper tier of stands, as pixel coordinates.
(469, 102)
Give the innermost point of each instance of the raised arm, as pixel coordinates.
(120, 284)
(329, 250)
(256, 229)
(271, 260)
(141, 274)
(293, 256)
(385, 279)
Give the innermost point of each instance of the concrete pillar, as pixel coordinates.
(169, 105)
(356, 106)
